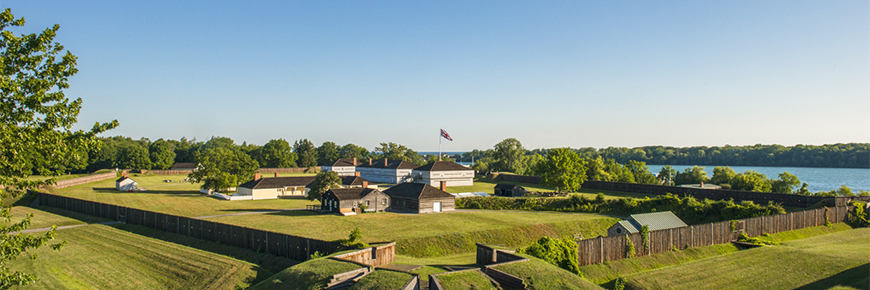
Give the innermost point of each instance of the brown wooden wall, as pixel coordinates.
(84, 179)
(278, 244)
(374, 256)
(601, 249)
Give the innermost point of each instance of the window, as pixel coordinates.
(618, 230)
(384, 201)
(367, 203)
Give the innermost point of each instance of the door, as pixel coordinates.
(436, 207)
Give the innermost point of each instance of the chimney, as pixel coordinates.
(443, 185)
(702, 184)
(257, 176)
(385, 162)
(354, 161)
(365, 184)
(370, 162)
(356, 174)
(276, 174)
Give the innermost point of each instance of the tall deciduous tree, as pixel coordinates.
(327, 153)
(562, 169)
(277, 154)
(692, 175)
(134, 156)
(353, 151)
(306, 153)
(750, 181)
(162, 154)
(322, 183)
(508, 155)
(222, 168)
(640, 171)
(666, 175)
(722, 175)
(787, 183)
(36, 130)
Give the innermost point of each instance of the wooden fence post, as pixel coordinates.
(601, 246)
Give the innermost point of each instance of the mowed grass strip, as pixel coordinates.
(819, 262)
(176, 198)
(103, 257)
(311, 275)
(382, 280)
(466, 280)
(538, 274)
(45, 217)
(382, 227)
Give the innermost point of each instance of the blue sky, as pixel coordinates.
(549, 73)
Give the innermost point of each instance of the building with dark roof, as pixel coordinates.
(292, 186)
(450, 172)
(420, 198)
(654, 221)
(386, 171)
(509, 190)
(349, 201)
(125, 183)
(343, 167)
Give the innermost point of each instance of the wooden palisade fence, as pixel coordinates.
(601, 249)
(278, 244)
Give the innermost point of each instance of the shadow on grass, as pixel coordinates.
(292, 213)
(856, 277)
(266, 264)
(184, 193)
(73, 215)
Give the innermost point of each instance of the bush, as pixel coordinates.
(354, 240)
(629, 248)
(559, 252)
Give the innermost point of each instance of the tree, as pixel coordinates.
(434, 157)
(324, 181)
(327, 153)
(305, 152)
(692, 175)
(618, 171)
(162, 154)
(222, 168)
(391, 151)
(36, 130)
(751, 181)
(640, 171)
(787, 183)
(722, 175)
(597, 170)
(277, 154)
(508, 155)
(562, 168)
(352, 151)
(666, 175)
(134, 156)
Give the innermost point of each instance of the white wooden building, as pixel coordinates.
(294, 186)
(450, 172)
(386, 171)
(125, 183)
(342, 167)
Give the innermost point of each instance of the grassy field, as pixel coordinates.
(382, 280)
(103, 257)
(435, 265)
(819, 262)
(482, 184)
(178, 198)
(381, 227)
(44, 217)
(538, 274)
(311, 274)
(468, 280)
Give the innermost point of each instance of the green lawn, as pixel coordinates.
(44, 217)
(819, 262)
(435, 265)
(382, 280)
(482, 184)
(538, 274)
(103, 257)
(178, 198)
(382, 227)
(312, 275)
(470, 280)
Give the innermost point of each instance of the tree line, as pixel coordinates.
(842, 155)
(748, 180)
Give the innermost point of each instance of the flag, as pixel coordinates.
(445, 135)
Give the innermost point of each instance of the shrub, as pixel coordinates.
(629, 248)
(559, 252)
(644, 236)
(354, 240)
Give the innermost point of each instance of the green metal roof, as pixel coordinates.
(654, 221)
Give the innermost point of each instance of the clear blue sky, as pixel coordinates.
(549, 73)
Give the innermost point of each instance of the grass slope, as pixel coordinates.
(104, 257)
(466, 280)
(178, 198)
(382, 280)
(538, 274)
(482, 184)
(45, 217)
(819, 262)
(435, 265)
(310, 275)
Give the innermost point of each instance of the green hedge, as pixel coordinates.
(689, 209)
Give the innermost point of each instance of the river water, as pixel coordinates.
(817, 179)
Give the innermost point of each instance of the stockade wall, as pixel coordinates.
(167, 172)
(290, 169)
(84, 179)
(374, 256)
(278, 244)
(520, 178)
(601, 249)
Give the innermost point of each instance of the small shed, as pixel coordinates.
(654, 221)
(509, 190)
(125, 183)
(347, 201)
(420, 198)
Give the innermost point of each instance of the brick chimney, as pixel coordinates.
(356, 174)
(354, 161)
(370, 162)
(365, 184)
(257, 176)
(443, 185)
(276, 174)
(385, 162)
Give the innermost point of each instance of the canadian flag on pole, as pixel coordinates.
(445, 135)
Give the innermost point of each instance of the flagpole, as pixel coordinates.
(439, 144)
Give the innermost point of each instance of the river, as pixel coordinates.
(817, 179)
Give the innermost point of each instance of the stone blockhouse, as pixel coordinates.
(653, 221)
(450, 172)
(347, 201)
(420, 198)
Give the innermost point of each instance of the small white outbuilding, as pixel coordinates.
(125, 184)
